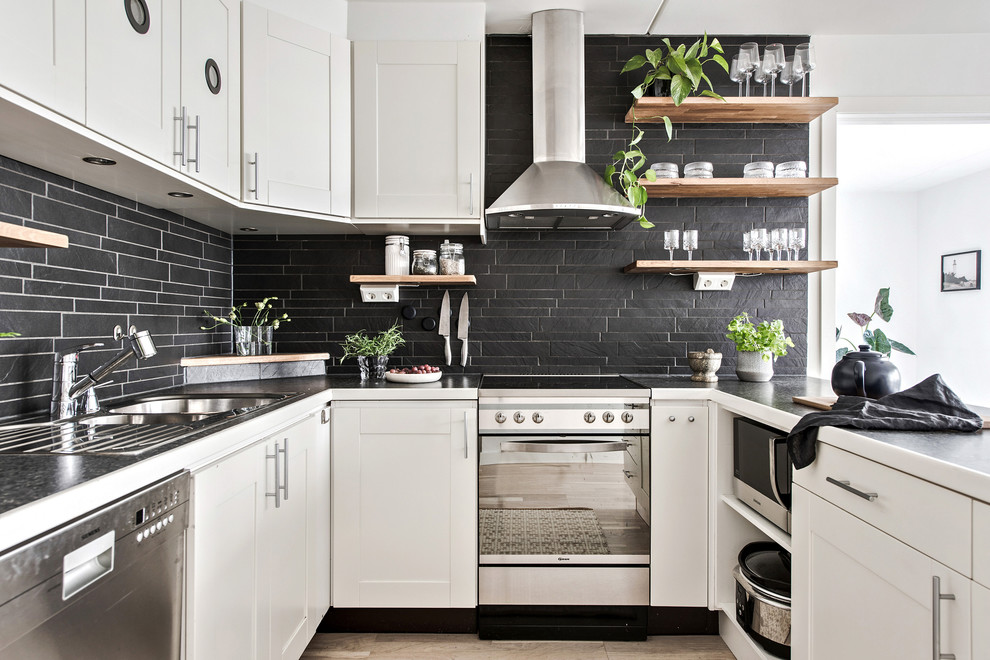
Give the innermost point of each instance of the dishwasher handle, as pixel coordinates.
(84, 566)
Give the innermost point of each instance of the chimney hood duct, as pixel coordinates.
(559, 191)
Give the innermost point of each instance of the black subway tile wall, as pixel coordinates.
(558, 302)
(126, 264)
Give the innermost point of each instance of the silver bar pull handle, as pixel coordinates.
(285, 467)
(181, 153)
(467, 430)
(471, 194)
(255, 164)
(844, 485)
(276, 493)
(563, 447)
(195, 127)
(774, 487)
(937, 598)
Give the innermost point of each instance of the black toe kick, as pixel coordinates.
(563, 622)
(400, 620)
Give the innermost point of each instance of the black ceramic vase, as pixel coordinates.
(865, 373)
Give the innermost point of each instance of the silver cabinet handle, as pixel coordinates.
(467, 426)
(276, 493)
(937, 598)
(844, 485)
(471, 194)
(285, 467)
(195, 127)
(325, 416)
(181, 153)
(255, 163)
(629, 475)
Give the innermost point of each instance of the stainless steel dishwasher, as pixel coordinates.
(105, 586)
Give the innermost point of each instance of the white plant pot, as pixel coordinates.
(751, 366)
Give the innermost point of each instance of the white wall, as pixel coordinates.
(416, 21)
(876, 244)
(953, 335)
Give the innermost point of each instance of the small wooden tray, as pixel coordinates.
(826, 403)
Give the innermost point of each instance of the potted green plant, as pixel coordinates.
(251, 334)
(372, 351)
(758, 346)
(876, 339)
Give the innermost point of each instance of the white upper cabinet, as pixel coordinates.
(48, 70)
(417, 129)
(296, 114)
(132, 73)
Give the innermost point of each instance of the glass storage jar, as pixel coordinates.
(424, 262)
(396, 255)
(451, 258)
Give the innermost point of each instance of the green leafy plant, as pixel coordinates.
(10, 334)
(239, 315)
(361, 344)
(876, 339)
(626, 165)
(767, 338)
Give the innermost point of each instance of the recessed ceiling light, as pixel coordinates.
(249, 229)
(96, 160)
(180, 195)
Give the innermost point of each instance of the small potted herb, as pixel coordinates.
(252, 334)
(372, 351)
(758, 346)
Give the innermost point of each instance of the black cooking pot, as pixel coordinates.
(865, 373)
(763, 595)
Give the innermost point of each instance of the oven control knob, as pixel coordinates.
(500, 417)
(627, 417)
(608, 417)
(589, 417)
(538, 418)
(519, 418)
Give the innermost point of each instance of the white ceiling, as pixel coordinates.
(909, 157)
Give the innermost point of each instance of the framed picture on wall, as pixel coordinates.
(961, 271)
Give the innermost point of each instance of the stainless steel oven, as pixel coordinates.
(562, 520)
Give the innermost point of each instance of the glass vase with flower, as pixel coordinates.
(251, 334)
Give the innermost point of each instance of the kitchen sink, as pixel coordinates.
(145, 418)
(202, 405)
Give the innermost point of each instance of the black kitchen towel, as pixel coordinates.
(928, 406)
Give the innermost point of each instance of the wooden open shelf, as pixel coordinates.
(737, 187)
(746, 110)
(739, 267)
(414, 280)
(18, 236)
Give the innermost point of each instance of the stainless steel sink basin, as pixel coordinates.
(193, 405)
(145, 418)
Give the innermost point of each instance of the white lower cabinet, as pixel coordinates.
(259, 578)
(405, 501)
(678, 485)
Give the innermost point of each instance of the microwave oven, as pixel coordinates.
(762, 470)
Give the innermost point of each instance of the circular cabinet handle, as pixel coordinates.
(589, 417)
(538, 418)
(671, 419)
(608, 417)
(519, 418)
(138, 15)
(691, 418)
(627, 417)
(213, 79)
(500, 417)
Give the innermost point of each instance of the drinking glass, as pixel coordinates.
(748, 245)
(805, 53)
(791, 73)
(761, 241)
(690, 241)
(778, 241)
(671, 238)
(759, 76)
(773, 62)
(796, 241)
(736, 74)
(751, 52)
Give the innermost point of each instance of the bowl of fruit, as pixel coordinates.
(421, 374)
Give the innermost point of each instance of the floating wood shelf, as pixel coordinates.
(414, 280)
(223, 360)
(18, 236)
(738, 267)
(737, 187)
(734, 110)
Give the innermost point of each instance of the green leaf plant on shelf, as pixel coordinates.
(876, 339)
(683, 67)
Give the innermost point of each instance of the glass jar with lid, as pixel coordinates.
(451, 258)
(424, 262)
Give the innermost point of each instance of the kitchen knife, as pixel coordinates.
(462, 329)
(445, 325)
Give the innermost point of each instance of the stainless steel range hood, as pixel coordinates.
(559, 191)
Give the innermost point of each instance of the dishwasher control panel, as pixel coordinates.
(154, 508)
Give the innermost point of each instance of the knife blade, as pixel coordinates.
(462, 329)
(445, 325)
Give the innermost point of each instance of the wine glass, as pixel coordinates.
(761, 241)
(773, 62)
(671, 238)
(759, 76)
(791, 73)
(805, 53)
(751, 52)
(736, 74)
(796, 241)
(748, 245)
(690, 241)
(778, 241)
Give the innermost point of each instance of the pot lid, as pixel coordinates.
(864, 353)
(767, 566)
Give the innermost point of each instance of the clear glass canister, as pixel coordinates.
(451, 258)
(424, 262)
(396, 255)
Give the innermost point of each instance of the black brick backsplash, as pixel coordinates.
(126, 264)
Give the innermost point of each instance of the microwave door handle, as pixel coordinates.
(551, 447)
(773, 470)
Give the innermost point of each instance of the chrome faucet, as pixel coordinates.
(67, 389)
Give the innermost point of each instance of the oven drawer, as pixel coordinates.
(584, 585)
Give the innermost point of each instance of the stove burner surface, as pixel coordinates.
(597, 382)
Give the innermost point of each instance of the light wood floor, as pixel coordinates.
(469, 647)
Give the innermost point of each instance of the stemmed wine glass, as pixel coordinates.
(760, 76)
(791, 73)
(760, 240)
(748, 245)
(737, 73)
(671, 238)
(778, 240)
(773, 62)
(805, 53)
(796, 241)
(690, 241)
(749, 56)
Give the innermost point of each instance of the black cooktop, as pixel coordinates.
(568, 382)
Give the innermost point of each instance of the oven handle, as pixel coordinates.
(564, 446)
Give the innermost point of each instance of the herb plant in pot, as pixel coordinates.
(758, 346)
(372, 351)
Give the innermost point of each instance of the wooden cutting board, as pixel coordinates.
(826, 402)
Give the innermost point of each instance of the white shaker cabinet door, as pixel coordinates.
(43, 50)
(296, 114)
(417, 129)
(404, 504)
(132, 73)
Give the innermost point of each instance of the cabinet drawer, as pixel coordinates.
(929, 518)
(981, 543)
(405, 421)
